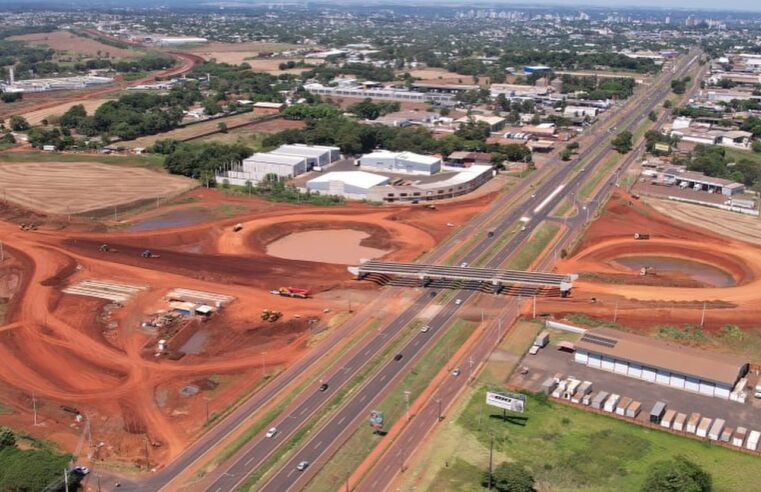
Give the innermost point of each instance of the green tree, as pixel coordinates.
(668, 104)
(222, 127)
(653, 116)
(509, 477)
(622, 142)
(756, 146)
(566, 155)
(7, 438)
(677, 475)
(18, 123)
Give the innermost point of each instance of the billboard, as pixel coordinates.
(376, 419)
(515, 402)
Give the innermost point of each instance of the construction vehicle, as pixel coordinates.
(105, 248)
(237, 227)
(271, 315)
(431, 207)
(149, 254)
(641, 236)
(291, 292)
(28, 227)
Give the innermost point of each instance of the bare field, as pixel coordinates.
(730, 224)
(84, 187)
(190, 131)
(429, 73)
(236, 53)
(64, 40)
(36, 117)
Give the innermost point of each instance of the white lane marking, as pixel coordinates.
(361, 400)
(250, 460)
(367, 352)
(290, 473)
(342, 420)
(383, 377)
(302, 411)
(317, 446)
(549, 198)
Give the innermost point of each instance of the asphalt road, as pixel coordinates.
(357, 408)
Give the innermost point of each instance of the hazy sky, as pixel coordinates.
(754, 5)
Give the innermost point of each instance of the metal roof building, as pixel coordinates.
(257, 167)
(662, 363)
(348, 184)
(400, 162)
(316, 155)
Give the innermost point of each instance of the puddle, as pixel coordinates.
(172, 219)
(340, 247)
(664, 265)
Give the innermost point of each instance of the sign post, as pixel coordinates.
(376, 420)
(515, 402)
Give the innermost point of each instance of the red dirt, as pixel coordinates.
(663, 299)
(53, 345)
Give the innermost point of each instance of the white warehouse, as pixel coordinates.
(353, 185)
(316, 155)
(255, 168)
(400, 162)
(676, 366)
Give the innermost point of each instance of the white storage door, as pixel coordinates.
(621, 367)
(607, 363)
(581, 356)
(595, 360)
(677, 381)
(635, 370)
(648, 373)
(721, 392)
(662, 377)
(692, 384)
(706, 388)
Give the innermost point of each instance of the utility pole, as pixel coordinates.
(347, 482)
(34, 408)
(115, 217)
(66, 479)
(499, 329)
(615, 312)
(438, 402)
(491, 456)
(407, 401)
(207, 409)
(534, 309)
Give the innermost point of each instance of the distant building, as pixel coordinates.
(532, 69)
(287, 161)
(382, 94)
(451, 185)
(495, 122)
(400, 162)
(700, 182)
(181, 40)
(316, 155)
(268, 107)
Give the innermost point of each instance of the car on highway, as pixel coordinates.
(425, 329)
(456, 371)
(533, 195)
(523, 228)
(323, 386)
(398, 357)
(302, 466)
(271, 433)
(458, 302)
(463, 264)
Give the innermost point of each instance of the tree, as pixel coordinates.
(653, 116)
(222, 127)
(509, 477)
(668, 104)
(622, 142)
(677, 475)
(18, 123)
(566, 155)
(756, 146)
(7, 438)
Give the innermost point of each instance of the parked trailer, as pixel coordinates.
(549, 385)
(668, 418)
(587, 399)
(610, 404)
(726, 434)
(679, 422)
(542, 339)
(692, 423)
(622, 405)
(739, 438)
(656, 414)
(559, 389)
(703, 427)
(571, 388)
(584, 389)
(633, 410)
(714, 433)
(598, 401)
(752, 442)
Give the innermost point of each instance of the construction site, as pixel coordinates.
(149, 333)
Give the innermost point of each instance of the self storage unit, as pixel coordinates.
(662, 363)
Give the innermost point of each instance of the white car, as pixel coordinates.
(456, 371)
(757, 391)
(458, 302)
(271, 433)
(425, 329)
(463, 264)
(302, 466)
(82, 470)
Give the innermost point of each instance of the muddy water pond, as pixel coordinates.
(341, 246)
(668, 265)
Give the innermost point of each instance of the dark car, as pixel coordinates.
(323, 386)
(398, 357)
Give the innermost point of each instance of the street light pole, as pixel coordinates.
(407, 401)
(491, 455)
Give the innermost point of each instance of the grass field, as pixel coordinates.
(362, 442)
(66, 41)
(152, 160)
(244, 135)
(541, 237)
(738, 155)
(35, 117)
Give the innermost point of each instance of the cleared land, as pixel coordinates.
(236, 53)
(84, 187)
(66, 41)
(36, 117)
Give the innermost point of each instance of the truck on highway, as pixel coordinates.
(291, 292)
(641, 236)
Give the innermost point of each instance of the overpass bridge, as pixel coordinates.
(498, 279)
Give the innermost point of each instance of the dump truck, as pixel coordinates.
(271, 315)
(237, 227)
(641, 236)
(291, 292)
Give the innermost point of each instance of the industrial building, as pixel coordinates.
(400, 162)
(55, 84)
(287, 161)
(181, 41)
(675, 366)
(700, 182)
(316, 155)
(383, 94)
(354, 185)
(454, 184)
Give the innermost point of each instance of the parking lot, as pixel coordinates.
(550, 361)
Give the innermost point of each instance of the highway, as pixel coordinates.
(315, 450)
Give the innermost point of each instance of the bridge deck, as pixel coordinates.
(490, 275)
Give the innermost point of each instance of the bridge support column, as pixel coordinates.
(425, 281)
(497, 288)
